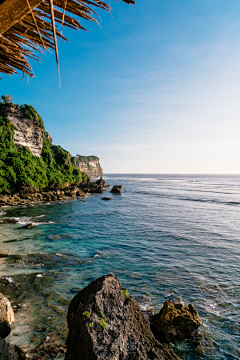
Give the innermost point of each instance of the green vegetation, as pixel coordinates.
(86, 158)
(27, 110)
(31, 113)
(125, 293)
(89, 167)
(87, 314)
(19, 167)
(103, 323)
(6, 99)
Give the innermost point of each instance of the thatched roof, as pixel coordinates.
(27, 26)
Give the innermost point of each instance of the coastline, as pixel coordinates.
(27, 195)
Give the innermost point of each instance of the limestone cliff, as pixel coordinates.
(28, 158)
(89, 164)
(28, 130)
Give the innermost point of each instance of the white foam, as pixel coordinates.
(24, 220)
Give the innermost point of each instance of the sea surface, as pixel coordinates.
(165, 237)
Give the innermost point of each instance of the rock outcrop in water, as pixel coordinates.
(117, 189)
(175, 322)
(105, 323)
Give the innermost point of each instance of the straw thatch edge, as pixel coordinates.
(37, 30)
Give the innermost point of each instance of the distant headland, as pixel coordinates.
(29, 158)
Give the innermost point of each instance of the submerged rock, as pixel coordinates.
(117, 189)
(27, 226)
(106, 198)
(175, 322)
(105, 323)
(51, 348)
(6, 316)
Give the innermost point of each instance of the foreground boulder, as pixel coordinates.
(105, 323)
(10, 352)
(117, 189)
(175, 322)
(7, 351)
(6, 316)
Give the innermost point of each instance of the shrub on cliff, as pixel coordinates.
(7, 99)
(30, 112)
(85, 158)
(19, 167)
(60, 169)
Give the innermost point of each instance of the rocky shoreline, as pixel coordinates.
(105, 322)
(27, 195)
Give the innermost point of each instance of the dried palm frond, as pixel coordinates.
(34, 28)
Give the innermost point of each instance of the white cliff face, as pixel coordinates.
(92, 168)
(27, 131)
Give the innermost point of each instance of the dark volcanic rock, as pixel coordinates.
(100, 182)
(26, 190)
(105, 323)
(6, 192)
(106, 198)
(28, 226)
(10, 352)
(175, 322)
(95, 190)
(5, 329)
(117, 189)
(80, 193)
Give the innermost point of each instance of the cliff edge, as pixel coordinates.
(28, 126)
(88, 164)
(27, 156)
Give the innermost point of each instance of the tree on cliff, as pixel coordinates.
(7, 99)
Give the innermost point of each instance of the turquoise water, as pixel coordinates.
(165, 237)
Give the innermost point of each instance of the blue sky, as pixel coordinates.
(155, 89)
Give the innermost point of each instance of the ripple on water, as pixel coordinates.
(166, 237)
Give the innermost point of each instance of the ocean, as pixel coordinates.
(165, 237)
